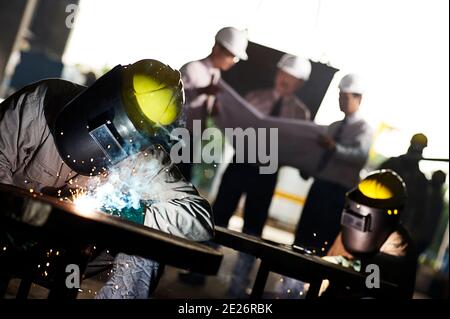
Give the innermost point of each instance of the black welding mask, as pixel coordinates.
(372, 211)
(122, 113)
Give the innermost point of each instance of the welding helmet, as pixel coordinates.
(372, 211)
(123, 112)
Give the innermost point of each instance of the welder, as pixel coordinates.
(371, 234)
(55, 134)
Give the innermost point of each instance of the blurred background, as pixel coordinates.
(401, 47)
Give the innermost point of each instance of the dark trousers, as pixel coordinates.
(239, 179)
(321, 217)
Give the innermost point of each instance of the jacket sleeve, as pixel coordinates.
(174, 205)
(358, 151)
(19, 133)
(190, 84)
(24, 125)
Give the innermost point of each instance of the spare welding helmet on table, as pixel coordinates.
(372, 211)
(122, 113)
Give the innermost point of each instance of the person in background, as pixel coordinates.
(414, 217)
(239, 178)
(372, 234)
(89, 78)
(278, 101)
(346, 149)
(200, 79)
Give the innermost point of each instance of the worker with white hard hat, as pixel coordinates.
(295, 66)
(352, 83)
(346, 146)
(200, 78)
(276, 101)
(234, 40)
(280, 100)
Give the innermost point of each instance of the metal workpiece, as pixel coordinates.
(60, 223)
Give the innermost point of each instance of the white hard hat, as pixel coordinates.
(233, 40)
(295, 66)
(351, 83)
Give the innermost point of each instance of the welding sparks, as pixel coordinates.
(77, 193)
(84, 201)
(87, 203)
(120, 190)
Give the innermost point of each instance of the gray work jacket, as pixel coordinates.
(29, 159)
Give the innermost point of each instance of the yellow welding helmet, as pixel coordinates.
(152, 94)
(125, 111)
(372, 211)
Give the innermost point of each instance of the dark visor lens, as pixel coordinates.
(354, 220)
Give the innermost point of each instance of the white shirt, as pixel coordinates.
(195, 75)
(352, 151)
